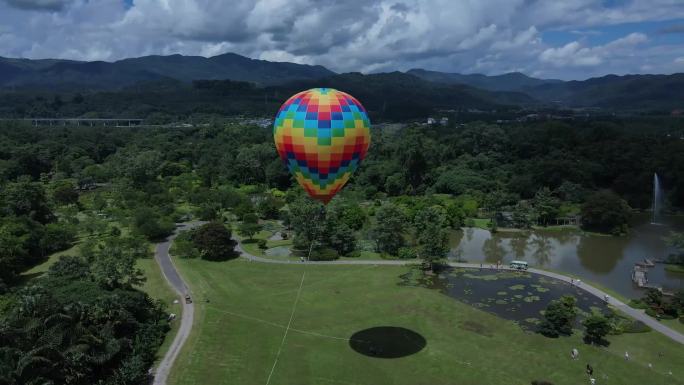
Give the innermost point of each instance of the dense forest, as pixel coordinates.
(112, 190)
(392, 96)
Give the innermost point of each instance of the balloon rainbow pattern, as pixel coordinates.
(322, 135)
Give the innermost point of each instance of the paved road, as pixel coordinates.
(161, 255)
(634, 313)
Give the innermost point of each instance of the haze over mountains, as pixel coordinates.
(639, 92)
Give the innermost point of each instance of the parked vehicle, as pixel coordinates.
(518, 265)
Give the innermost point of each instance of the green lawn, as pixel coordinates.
(482, 223)
(40, 269)
(679, 269)
(674, 324)
(237, 335)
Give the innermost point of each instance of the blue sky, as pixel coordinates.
(569, 39)
(656, 30)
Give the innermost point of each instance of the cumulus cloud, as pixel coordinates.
(574, 54)
(570, 54)
(490, 36)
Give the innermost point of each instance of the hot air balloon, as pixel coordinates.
(322, 135)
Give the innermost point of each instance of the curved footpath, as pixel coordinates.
(171, 274)
(161, 255)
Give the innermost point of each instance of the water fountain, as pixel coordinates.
(657, 199)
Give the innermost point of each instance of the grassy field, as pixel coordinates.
(40, 269)
(482, 223)
(244, 309)
(679, 269)
(674, 324)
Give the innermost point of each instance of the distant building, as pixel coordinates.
(444, 121)
(431, 121)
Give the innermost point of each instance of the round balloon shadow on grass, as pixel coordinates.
(387, 342)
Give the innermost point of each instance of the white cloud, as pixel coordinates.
(574, 54)
(489, 36)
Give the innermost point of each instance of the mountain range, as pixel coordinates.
(100, 75)
(430, 88)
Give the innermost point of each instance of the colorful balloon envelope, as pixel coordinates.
(322, 135)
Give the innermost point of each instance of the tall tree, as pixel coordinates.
(248, 229)
(114, 261)
(559, 317)
(388, 228)
(431, 233)
(605, 211)
(215, 242)
(307, 219)
(546, 205)
(26, 198)
(596, 328)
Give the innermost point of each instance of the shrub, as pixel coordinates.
(637, 327)
(69, 266)
(262, 244)
(670, 310)
(354, 254)
(324, 254)
(637, 304)
(666, 316)
(207, 212)
(407, 253)
(596, 327)
(184, 247)
(650, 311)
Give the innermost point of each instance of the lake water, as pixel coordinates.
(605, 260)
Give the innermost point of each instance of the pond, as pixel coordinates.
(278, 251)
(516, 296)
(606, 260)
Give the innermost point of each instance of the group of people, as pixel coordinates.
(574, 354)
